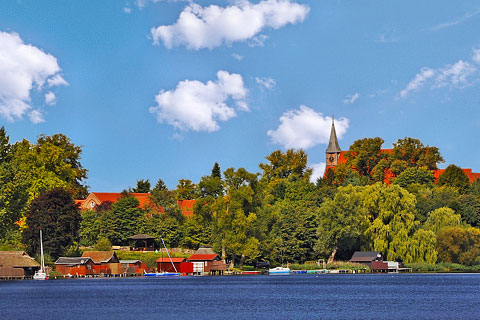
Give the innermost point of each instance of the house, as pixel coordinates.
(142, 242)
(75, 266)
(206, 261)
(165, 264)
(94, 199)
(335, 156)
(366, 257)
(133, 267)
(17, 265)
(105, 262)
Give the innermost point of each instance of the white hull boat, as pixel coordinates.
(279, 271)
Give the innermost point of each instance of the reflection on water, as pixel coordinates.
(368, 296)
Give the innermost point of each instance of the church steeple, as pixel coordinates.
(333, 146)
(333, 150)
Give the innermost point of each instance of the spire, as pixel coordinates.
(333, 143)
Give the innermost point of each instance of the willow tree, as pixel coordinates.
(342, 222)
(393, 228)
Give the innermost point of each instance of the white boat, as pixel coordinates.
(279, 271)
(162, 273)
(40, 274)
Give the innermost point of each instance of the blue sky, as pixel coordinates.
(164, 89)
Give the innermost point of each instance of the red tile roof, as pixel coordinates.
(174, 260)
(472, 176)
(186, 206)
(203, 257)
(143, 198)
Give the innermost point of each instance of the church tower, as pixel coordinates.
(333, 150)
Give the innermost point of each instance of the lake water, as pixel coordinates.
(361, 296)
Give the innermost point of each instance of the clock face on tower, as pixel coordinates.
(331, 159)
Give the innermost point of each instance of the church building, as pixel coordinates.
(335, 156)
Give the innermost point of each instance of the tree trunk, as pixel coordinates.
(242, 261)
(224, 251)
(332, 256)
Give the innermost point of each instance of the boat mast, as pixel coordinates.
(41, 253)
(168, 255)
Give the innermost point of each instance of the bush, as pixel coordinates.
(103, 244)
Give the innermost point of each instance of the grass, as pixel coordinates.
(337, 265)
(149, 258)
(442, 267)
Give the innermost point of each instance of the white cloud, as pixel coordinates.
(476, 56)
(36, 116)
(304, 128)
(198, 106)
(22, 67)
(267, 83)
(257, 41)
(209, 27)
(318, 171)
(127, 10)
(237, 56)
(455, 75)
(455, 22)
(418, 81)
(57, 80)
(351, 98)
(50, 98)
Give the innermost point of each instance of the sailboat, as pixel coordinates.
(40, 274)
(163, 273)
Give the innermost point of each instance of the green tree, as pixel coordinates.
(90, 226)
(412, 175)
(283, 165)
(441, 218)
(236, 218)
(186, 190)
(429, 199)
(210, 186)
(342, 223)
(414, 153)
(363, 155)
(160, 186)
(459, 245)
(454, 176)
(469, 209)
(216, 173)
(5, 146)
(475, 188)
(124, 220)
(390, 210)
(74, 173)
(103, 244)
(56, 214)
(143, 186)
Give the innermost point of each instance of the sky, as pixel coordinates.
(164, 89)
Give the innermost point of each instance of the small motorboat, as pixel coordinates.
(279, 271)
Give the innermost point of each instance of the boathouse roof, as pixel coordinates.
(101, 256)
(73, 260)
(366, 256)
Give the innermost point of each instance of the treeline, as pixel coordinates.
(376, 200)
